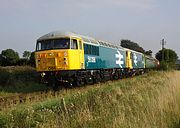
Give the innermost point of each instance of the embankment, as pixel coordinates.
(150, 100)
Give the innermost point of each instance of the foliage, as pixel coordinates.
(17, 74)
(9, 57)
(32, 59)
(132, 45)
(28, 59)
(23, 62)
(27, 54)
(167, 58)
(149, 52)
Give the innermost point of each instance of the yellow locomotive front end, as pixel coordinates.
(55, 52)
(51, 60)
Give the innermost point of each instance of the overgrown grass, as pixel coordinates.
(148, 101)
(19, 79)
(20, 74)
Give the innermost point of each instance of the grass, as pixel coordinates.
(19, 79)
(148, 101)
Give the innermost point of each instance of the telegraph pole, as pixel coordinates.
(163, 43)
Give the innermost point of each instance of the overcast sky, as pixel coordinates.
(143, 21)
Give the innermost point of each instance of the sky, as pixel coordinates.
(145, 22)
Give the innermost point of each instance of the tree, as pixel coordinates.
(27, 54)
(9, 57)
(23, 62)
(149, 52)
(0, 60)
(132, 45)
(32, 59)
(26, 58)
(167, 58)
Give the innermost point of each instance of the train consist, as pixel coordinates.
(66, 57)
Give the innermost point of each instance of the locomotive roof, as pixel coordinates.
(86, 39)
(58, 34)
(133, 51)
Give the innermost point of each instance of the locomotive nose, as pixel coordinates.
(51, 61)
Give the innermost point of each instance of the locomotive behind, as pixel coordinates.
(66, 57)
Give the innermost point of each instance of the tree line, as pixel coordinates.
(9, 57)
(134, 46)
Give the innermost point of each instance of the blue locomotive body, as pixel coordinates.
(138, 60)
(106, 58)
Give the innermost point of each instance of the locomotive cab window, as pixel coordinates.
(62, 43)
(131, 55)
(74, 44)
(38, 46)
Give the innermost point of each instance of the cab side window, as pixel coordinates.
(127, 54)
(131, 55)
(80, 45)
(74, 44)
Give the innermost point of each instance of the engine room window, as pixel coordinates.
(74, 44)
(62, 43)
(91, 49)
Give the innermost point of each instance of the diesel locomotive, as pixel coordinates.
(74, 59)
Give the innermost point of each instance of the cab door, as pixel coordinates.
(129, 59)
(76, 54)
(81, 53)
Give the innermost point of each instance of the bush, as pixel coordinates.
(9, 57)
(166, 66)
(17, 74)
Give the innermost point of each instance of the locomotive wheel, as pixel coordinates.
(121, 74)
(54, 85)
(89, 79)
(116, 77)
(97, 78)
(79, 82)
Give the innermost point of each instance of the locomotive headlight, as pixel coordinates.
(65, 59)
(38, 56)
(39, 62)
(65, 63)
(51, 54)
(158, 63)
(43, 74)
(65, 53)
